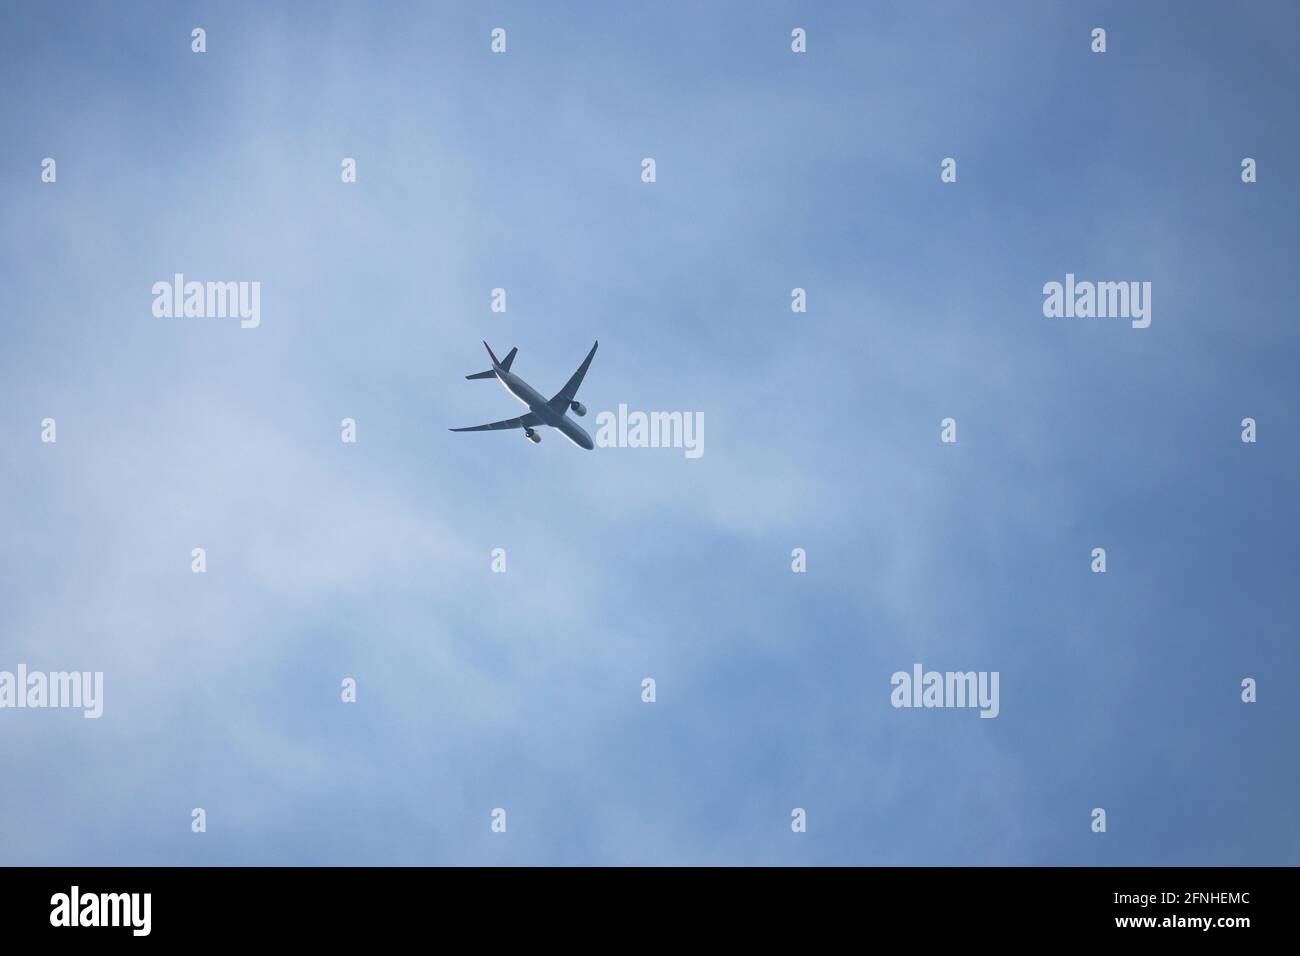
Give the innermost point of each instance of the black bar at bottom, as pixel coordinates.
(375, 904)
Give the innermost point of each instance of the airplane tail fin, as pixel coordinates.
(504, 363)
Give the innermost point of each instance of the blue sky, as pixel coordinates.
(522, 690)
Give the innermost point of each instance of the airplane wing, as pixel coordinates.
(565, 395)
(523, 421)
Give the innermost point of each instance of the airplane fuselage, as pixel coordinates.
(539, 406)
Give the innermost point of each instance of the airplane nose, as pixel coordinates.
(587, 443)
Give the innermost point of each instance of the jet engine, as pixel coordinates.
(579, 409)
(532, 436)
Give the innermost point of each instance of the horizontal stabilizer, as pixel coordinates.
(504, 363)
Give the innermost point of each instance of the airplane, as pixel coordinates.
(540, 411)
